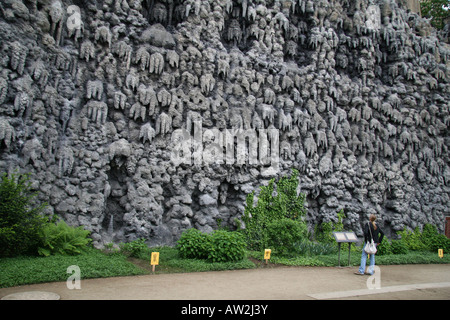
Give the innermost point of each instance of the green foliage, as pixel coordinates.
(170, 261)
(392, 247)
(37, 269)
(434, 9)
(275, 202)
(384, 248)
(434, 240)
(399, 247)
(218, 246)
(20, 216)
(193, 244)
(413, 239)
(200, 265)
(226, 246)
(286, 203)
(310, 248)
(63, 239)
(429, 239)
(324, 232)
(283, 235)
(134, 248)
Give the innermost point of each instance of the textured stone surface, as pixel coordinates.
(92, 93)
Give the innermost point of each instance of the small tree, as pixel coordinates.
(20, 216)
(273, 204)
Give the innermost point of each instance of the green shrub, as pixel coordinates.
(134, 248)
(413, 239)
(434, 240)
(440, 242)
(324, 232)
(63, 239)
(193, 244)
(20, 216)
(399, 246)
(385, 247)
(429, 239)
(226, 246)
(218, 246)
(284, 234)
(275, 202)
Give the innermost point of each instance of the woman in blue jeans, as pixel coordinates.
(377, 235)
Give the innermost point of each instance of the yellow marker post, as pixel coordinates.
(441, 253)
(267, 255)
(154, 260)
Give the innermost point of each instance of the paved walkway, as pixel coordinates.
(283, 283)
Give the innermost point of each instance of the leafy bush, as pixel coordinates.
(392, 247)
(219, 246)
(384, 248)
(63, 239)
(20, 216)
(134, 248)
(399, 247)
(226, 246)
(429, 239)
(284, 234)
(413, 239)
(273, 204)
(324, 232)
(193, 244)
(434, 240)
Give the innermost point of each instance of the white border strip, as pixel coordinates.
(362, 292)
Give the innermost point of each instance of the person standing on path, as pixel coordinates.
(371, 231)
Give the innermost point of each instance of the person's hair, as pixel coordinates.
(372, 219)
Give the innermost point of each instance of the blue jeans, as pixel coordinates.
(362, 267)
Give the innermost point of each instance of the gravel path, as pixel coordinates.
(281, 283)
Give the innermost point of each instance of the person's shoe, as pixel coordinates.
(359, 273)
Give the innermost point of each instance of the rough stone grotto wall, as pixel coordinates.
(91, 92)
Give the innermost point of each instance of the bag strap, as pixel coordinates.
(370, 231)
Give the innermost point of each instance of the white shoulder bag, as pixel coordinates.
(370, 247)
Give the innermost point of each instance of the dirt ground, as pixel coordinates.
(280, 283)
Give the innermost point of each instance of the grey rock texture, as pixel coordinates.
(92, 91)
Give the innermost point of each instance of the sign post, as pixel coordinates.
(441, 253)
(345, 236)
(154, 260)
(267, 255)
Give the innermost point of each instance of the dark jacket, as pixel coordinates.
(377, 235)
